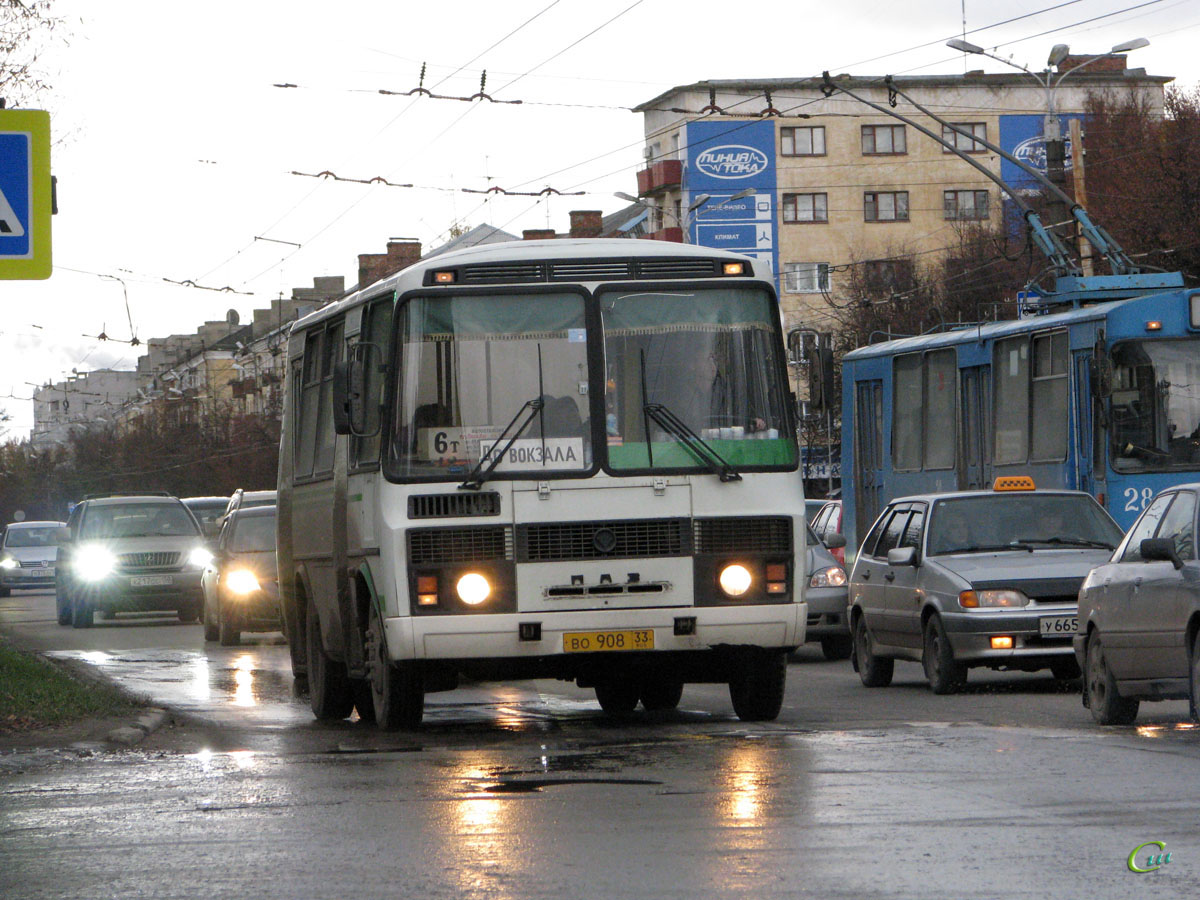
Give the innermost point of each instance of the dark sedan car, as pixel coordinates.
(1139, 615)
(241, 583)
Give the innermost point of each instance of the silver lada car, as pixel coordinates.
(980, 578)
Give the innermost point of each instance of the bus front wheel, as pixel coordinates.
(397, 692)
(330, 692)
(757, 691)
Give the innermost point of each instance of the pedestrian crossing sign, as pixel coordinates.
(26, 196)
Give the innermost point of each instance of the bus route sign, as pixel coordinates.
(25, 194)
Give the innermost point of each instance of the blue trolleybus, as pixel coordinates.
(1102, 398)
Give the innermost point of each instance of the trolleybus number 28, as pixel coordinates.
(1135, 500)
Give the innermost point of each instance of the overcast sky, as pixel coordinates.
(173, 148)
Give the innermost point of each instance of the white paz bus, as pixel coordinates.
(570, 459)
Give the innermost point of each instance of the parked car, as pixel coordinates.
(978, 578)
(241, 582)
(208, 512)
(827, 523)
(1139, 614)
(27, 555)
(129, 553)
(826, 596)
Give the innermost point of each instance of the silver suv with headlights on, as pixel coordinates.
(129, 553)
(27, 555)
(979, 578)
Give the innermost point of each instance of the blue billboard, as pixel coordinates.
(1023, 137)
(725, 159)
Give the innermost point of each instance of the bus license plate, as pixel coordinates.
(1058, 626)
(604, 641)
(150, 580)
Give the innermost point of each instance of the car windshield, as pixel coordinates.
(253, 534)
(1155, 405)
(41, 536)
(697, 364)
(1019, 520)
(207, 513)
(122, 520)
(471, 366)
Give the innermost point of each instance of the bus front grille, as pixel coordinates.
(625, 539)
(449, 506)
(744, 534)
(434, 546)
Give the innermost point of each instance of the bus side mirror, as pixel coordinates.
(1160, 550)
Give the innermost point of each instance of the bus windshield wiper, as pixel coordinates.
(1072, 542)
(698, 447)
(480, 473)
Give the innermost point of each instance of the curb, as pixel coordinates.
(147, 723)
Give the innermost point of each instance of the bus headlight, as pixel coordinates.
(473, 589)
(241, 581)
(735, 580)
(200, 557)
(94, 563)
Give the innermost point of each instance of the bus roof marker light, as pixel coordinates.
(733, 268)
(1014, 483)
(1154, 325)
(443, 277)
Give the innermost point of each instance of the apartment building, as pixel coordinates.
(812, 185)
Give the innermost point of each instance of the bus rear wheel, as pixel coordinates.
(757, 691)
(617, 697)
(330, 692)
(397, 692)
(659, 694)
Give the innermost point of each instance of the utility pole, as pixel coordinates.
(1077, 157)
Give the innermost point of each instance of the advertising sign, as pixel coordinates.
(725, 159)
(1022, 136)
(25, 193)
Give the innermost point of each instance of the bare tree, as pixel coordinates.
(27, 28)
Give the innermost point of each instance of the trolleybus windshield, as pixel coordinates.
(1155, 405)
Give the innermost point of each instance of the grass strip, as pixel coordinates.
(35, 693)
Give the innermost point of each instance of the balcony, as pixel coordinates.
(659, 177)
(674, 234)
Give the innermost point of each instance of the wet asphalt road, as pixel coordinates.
(526, 790)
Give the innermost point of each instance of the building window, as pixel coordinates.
(883, 140)
(963, 142)
(805, 207)
(806, 141)
(885, 206)
(806, 278)
(971, 205)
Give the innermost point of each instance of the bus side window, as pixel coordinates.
(377, 332)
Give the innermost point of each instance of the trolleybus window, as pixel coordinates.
(471, 367)
(702, 358)
(1155, 405)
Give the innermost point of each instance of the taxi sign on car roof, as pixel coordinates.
(1014, 483)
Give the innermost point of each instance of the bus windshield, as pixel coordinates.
(701, 358)
(471, 367)
(1155, 405)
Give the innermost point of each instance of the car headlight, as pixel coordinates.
(8, 563)
(735, 580)
(473, 589)
(94, 563)
(830, 576)
(242, 581)
(201, 557)
(1007, 599)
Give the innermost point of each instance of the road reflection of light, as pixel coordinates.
(745, 777)
(1150, 731)
(481, 828)
(1184, 726)
(96, 657)
(204, 757)
(200, 688)
(243, 680)
(243, 759)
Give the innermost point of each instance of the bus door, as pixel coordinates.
(1088, 476)
(975, 466)
(868, 453)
